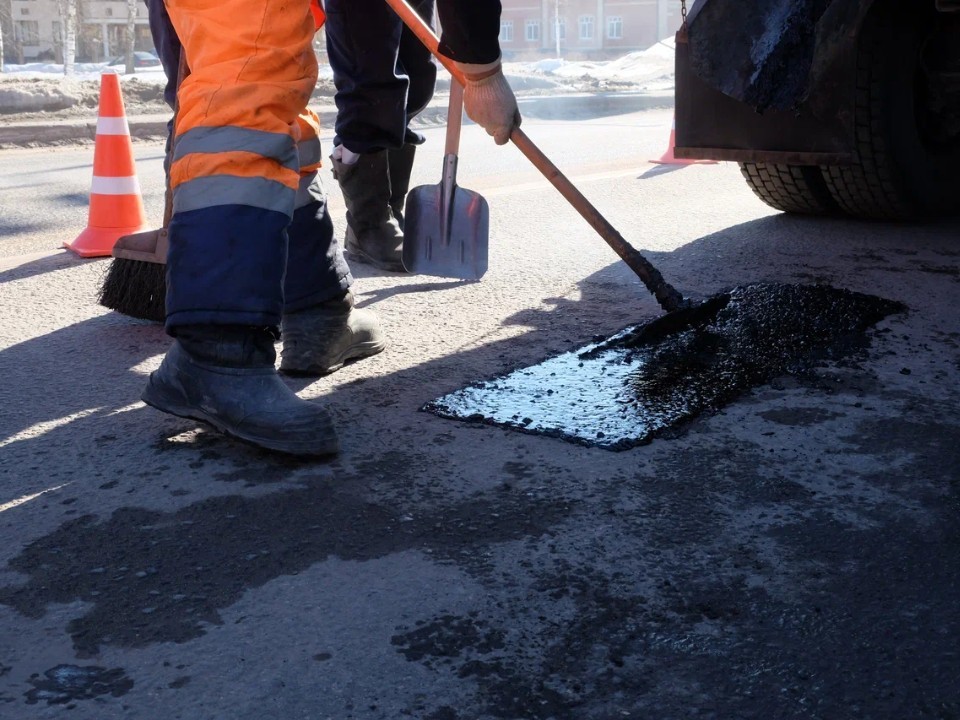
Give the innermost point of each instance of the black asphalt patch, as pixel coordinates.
(624, 391)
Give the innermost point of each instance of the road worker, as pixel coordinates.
(384, 78)
(252, 255)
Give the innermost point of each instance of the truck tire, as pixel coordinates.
(790, 188)
(900, 172)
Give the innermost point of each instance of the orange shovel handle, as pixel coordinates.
(665, 294)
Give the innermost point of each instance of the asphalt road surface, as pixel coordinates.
(794, 554)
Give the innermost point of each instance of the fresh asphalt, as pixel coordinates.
(791, 555)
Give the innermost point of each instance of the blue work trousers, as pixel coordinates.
(209, 283)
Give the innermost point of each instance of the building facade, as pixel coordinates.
(35, 26)
(584, 29)
(529, 29)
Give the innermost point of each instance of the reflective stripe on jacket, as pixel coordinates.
(239, 132)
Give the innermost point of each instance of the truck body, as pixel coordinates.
(831, 107)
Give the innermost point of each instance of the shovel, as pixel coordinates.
(447, 228)
(681, 311)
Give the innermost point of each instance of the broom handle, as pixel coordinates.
(666, 294)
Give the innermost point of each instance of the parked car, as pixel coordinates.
(141, 59)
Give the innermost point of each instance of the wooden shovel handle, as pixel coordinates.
(666, 295)
(454, 118)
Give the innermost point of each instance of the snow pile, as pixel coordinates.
(650, 69)
(81, 71)
(35, 97)
(43, 88)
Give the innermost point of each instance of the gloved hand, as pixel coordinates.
(489, 101)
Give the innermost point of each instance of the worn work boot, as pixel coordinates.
(319, 340)
(373, 235)
(225, 376)
(400, 164)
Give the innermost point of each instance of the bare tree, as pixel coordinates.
(68, 32)
(4, 21)
(130, 39)
(556, 26)
(6, 28)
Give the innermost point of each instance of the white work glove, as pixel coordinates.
(489, 101)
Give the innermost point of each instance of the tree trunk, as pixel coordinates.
(131, 36)
(68, 30)
(2, 24)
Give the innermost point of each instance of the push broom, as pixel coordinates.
(135, 284)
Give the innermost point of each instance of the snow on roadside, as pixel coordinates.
(82, 71)
(651, 68)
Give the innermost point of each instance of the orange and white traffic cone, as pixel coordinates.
(116, 205)
(668, 158)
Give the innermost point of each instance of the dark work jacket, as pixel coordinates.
(470, 30)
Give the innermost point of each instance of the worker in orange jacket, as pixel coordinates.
(252, 255)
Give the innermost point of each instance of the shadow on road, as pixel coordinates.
(636, 558)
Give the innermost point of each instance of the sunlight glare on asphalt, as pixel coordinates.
(27, 498)
(148, 365)
(42, 428)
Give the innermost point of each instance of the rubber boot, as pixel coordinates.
(401, 166)
(225, 376)
(319, 340)
(373, 235)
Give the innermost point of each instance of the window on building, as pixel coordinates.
(586, 27)
(57, 33)
(108, 12)
(24, 11)
(615, 28)
(560, 28)
(532, 30)
(506, 31)
(27, 32)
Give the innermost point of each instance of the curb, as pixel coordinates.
(540, 107)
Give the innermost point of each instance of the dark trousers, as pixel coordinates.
(384, 75)
(167, 44)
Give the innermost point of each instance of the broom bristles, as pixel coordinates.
(135, 288)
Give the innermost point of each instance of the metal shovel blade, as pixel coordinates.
(446, 232)
(446, 229)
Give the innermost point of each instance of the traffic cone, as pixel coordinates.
(668, 158)
(116, 206)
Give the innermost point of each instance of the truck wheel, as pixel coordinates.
(908, 160)
(790, 188)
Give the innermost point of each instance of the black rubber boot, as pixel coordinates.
(319, 340)
(373, 235)
(400, 164)
(225, 376)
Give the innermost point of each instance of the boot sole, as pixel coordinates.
(160, 400)
(359, 256)
(354, 352)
